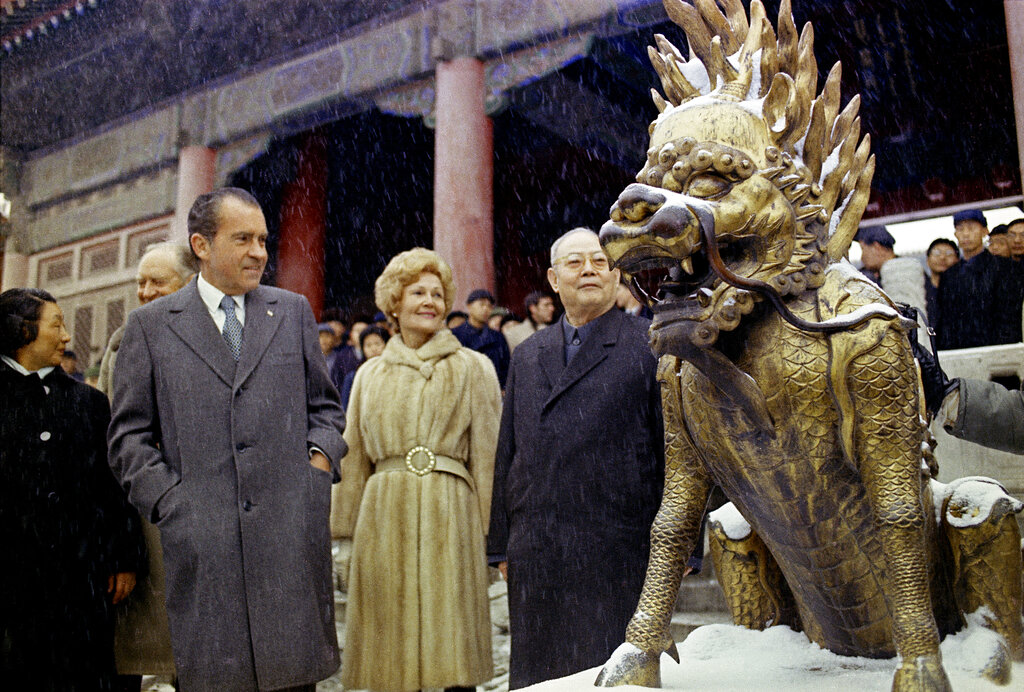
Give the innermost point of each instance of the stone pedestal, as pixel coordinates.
(196, 166)
(300, 252)
(464, 176)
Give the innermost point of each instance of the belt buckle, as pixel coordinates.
(420, 470)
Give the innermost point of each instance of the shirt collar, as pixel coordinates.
(584, 331)
(18, 368)
(211, 295)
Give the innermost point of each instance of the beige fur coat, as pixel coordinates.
(417, 613)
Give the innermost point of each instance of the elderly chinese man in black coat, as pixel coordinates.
(578, 474)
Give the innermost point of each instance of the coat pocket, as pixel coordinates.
(319, 515)
(167, 506)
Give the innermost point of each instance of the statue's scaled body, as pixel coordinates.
(788, 379)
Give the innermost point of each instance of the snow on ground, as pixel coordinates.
(727, 658)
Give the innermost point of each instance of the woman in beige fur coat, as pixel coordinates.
(415, 494)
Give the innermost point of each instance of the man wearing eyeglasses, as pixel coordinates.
(578, 473)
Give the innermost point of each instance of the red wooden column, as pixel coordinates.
(464, 176)
(1014, 10)
(300, 251)
(196, 172)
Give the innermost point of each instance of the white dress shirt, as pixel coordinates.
(19, 368)
(211, 297)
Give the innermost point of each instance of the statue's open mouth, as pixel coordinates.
(658, 279)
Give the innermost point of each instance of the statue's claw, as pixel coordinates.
(922, 674)
(673, 651)
(629, 665)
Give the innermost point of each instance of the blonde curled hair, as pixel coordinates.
(402, 270)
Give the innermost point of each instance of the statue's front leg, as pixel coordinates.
(888, 443)
(673, 539)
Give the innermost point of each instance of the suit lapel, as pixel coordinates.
(191, 321)
(261, 323)
(551, 353)
(595, 350)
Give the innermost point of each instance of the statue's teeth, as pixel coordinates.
(687, 265)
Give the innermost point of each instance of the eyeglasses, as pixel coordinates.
(945, 252)
(575, 261)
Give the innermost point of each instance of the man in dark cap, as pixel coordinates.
(475, 333)
(979, 295)
(902, 278)
(876, 243)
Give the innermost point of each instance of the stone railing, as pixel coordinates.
(958, 458)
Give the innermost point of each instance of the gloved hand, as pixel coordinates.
(937, 384)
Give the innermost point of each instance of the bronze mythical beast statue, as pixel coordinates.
(788, 379)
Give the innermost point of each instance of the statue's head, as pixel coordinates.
(746, 166)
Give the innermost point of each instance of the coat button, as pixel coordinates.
(246, 505)
(44, 436)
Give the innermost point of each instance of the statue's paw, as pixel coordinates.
(629, 665)
(922, 674)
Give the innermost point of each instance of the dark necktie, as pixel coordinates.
(573, 347)
(232, 327)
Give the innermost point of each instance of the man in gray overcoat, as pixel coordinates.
(227, 433)
(578, 472)
(983, 412)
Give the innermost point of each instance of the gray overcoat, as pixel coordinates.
(216, 455)
(990, 415)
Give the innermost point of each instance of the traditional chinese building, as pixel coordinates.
(482, 128)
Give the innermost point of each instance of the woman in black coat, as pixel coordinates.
(71, 543)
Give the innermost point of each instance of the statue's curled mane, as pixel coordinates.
(817, 161)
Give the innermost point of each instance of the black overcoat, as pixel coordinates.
(578, 479)
(65, 527)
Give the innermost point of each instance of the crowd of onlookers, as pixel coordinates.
(971, 293)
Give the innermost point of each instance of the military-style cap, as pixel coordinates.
(969, 215)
